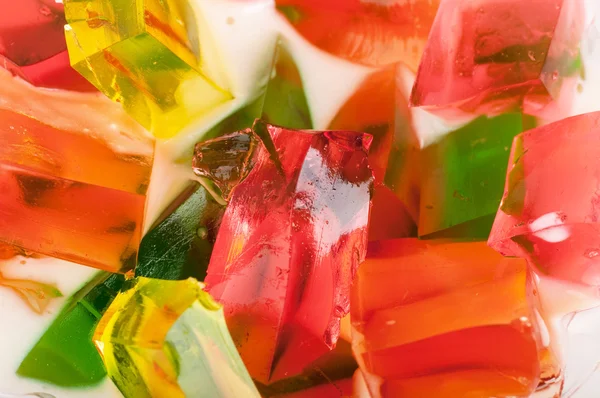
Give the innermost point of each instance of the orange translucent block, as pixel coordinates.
(368, 32)
(433, 318)
(378, 108)
(74, 171)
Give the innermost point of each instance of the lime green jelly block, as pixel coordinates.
(65, 354)
(180, 245)
(463, 177)
(169, 339)
(145, 55)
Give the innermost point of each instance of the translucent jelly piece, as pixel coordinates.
(328, 374)
(74, 172)
(490, 56)
(56, 72)
(174, 249)
(146, 55)
(179, 246)
(550, 209)
(373, 33)
(462, 177)
(377, 107)
(44, 63)
(169, 339)
(339, 388)
(448, 319)
(65, 354)
(225, 160)
(372, 109)
(285, 102)
(290, 241)
(31, 30)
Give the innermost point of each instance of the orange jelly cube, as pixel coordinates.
(74, 170)
(434, 318)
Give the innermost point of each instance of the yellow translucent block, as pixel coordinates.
(169, 339)
(144, 54)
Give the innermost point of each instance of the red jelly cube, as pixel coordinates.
(32, 37)
(289, 245)
(490, 56)
(551, 205)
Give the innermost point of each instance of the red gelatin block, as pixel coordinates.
(31, 30)
(550, 210)
(491, 56)
(438, 319)
(32, 37)
(74, 170)
(374, 33)
(289, 245)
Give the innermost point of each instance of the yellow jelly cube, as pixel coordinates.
(144, 54)
(164, 338)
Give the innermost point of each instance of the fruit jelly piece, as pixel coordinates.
(225, 160)
(172, 250)
(366, 32)
(377, 108)
(489, 56)
(65, 354)
(389, 217)
(341, 388)
(288, 246)
(285, 102)
(77, 136)
(180, 245)
(550, 209)
(169, 338)
(43, 63)
(470, 383)
(452, 307)
(64, 151)
(144, 55)
(462, 177)
(74, 155)
(328, 373)
(56, 72)
(431, 268)
(31, 30)
(102, 227)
